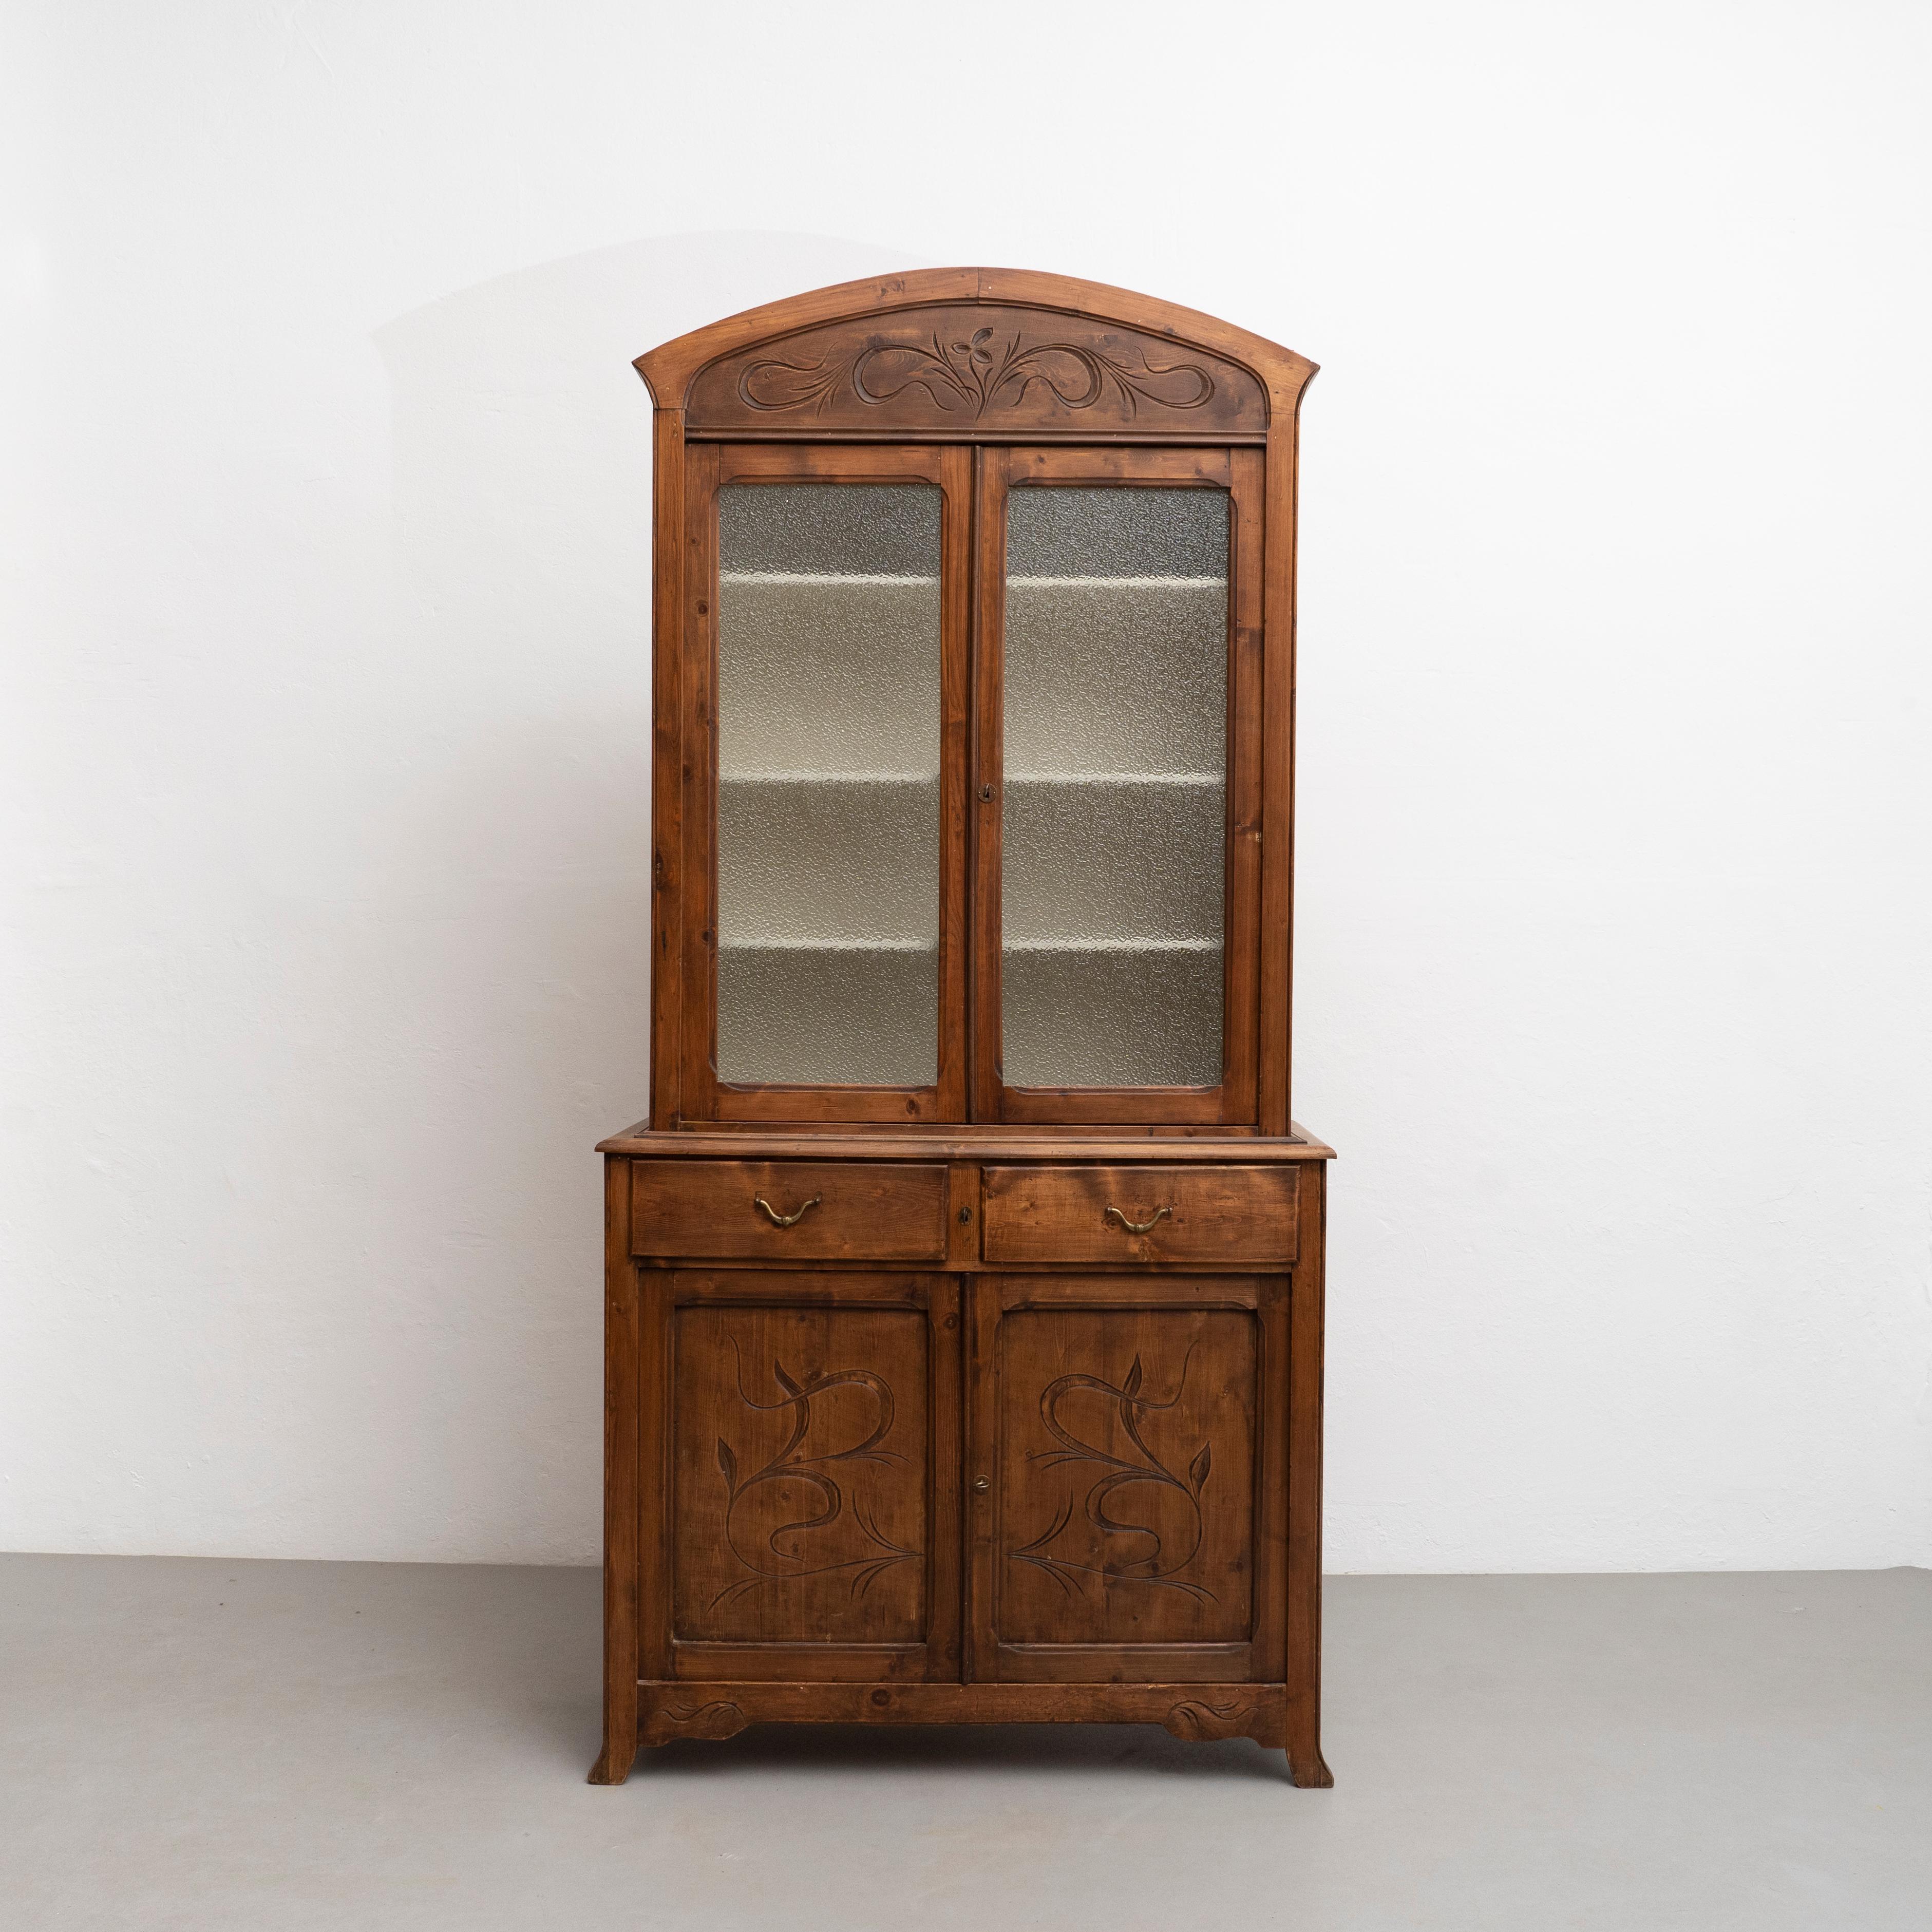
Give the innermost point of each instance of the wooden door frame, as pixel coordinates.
(1239, 471)
(703, 1096)
(663, 1291)
(1263, 1658)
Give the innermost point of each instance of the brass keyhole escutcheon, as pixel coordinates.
(981, 1483)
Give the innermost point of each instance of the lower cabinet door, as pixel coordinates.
(806, 1429)
(1126, 1478)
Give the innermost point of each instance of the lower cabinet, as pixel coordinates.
(863, 1491)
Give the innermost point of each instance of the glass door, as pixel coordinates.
(827, 700)
(1116, 770)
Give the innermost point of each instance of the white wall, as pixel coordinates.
(323, 729)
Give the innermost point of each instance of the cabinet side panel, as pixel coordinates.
(1246, 754)
(698, 620)
(667, 548)
(651, 1402)
(1304, 1661)
(1278, 780)
(622, 1659)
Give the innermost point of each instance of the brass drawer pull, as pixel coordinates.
(778, 1220)
(1137, 1227)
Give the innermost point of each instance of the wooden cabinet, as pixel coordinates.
(964, 1284)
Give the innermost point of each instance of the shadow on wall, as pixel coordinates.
(501, 759)
(520, 574)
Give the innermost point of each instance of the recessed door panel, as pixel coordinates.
(809, 1417)
(1124, 1531)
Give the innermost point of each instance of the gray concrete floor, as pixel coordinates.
(206, 1745)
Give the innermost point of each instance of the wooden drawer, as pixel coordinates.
(1242, 1217)
(709, 1210)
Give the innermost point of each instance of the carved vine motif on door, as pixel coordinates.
(787, 1465)
(1157, 1566)
(974, 375)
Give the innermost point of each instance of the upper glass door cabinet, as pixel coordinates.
(830, 941)
(973, 781)
(1118, 756)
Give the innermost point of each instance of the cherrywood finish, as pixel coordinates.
(1229, 1216)
(933, 1436)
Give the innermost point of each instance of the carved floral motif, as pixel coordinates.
(974, 375)
(788, 1566)
(1121, 1473)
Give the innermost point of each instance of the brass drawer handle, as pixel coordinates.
(778, 1220)
(1137, 1227)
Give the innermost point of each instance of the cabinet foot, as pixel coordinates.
(613, 1762)
(1309, 1770)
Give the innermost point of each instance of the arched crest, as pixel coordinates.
(976, 354)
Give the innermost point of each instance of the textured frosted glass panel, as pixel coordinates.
(1113, 1019)
(1114, 676)
(829, 862)
(828, 791)
(1113, 828)
(1113, 532)
(1112, 861)
(828, 674)
(865, 1012)
(830, 529)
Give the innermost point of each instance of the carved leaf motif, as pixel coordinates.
(716, 1721)
(978, 375)
(1195, 1721)
(1197, 1470)
(1158, 1568)
(790, 1466)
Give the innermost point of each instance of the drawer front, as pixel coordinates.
(1215, 1216)
(787, 1210)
